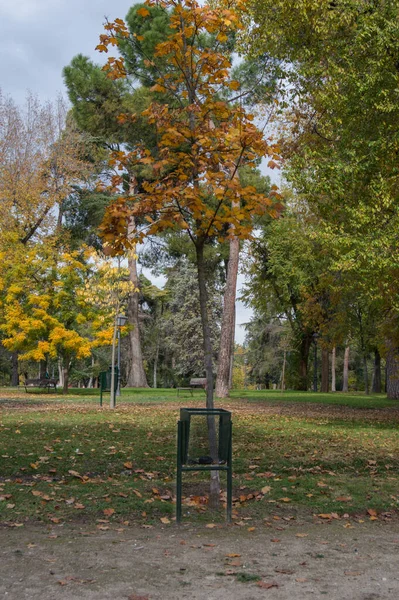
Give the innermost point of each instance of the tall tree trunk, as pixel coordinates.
(155, 383)
(14, 370)
(345, 383)
(65, 374)
(304, 350)
(42, 369)
(283, 372)
(333, 374)
(137, 377)
(232, 352)
(392, 372)
(91, 380)
(228, 318)
(325, 370)
(112, 398)
(60, 372)
(206, 332)
(366, 374)
(376, 383)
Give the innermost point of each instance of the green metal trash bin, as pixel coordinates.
(218, 453)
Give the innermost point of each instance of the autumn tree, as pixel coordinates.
(202, 142)
(42, 158)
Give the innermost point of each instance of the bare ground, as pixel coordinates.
(307, 560)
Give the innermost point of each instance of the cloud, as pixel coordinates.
(40, 37)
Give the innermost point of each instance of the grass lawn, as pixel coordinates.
(65, 459)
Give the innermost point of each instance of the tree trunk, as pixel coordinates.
(42, 369)
(325, 370)
(366, 374)
(376, 383)
(65, 374)
(345, 384)
(304, 350)
(206, 332)
(91, 380)
(112, 398)
(228, 318)
(283, 373)
(60, 372)
(137, 377)
(232, 351)
(14, 370)
(333, 362)
(392, 373)
(155, 383)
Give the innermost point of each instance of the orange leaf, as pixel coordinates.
(108, 511)
(143, 12)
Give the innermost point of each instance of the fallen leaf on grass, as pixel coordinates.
(301, 579)
(165, 520)
(324, 516)
(251, 528)
(372, 512)
(301, 535)
(266, 489)
(285, 499)
(233, 555)
(137, 493)
(267, 585)
(353, 573)
(210, 525)
(276, 540)
(108, 511)
(344, 499)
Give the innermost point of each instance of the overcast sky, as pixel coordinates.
(40, 37)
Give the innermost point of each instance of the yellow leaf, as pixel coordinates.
(143, 12)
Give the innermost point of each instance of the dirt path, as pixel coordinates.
(301, 561)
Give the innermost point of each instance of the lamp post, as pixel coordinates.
(120, 322)
(315, 336)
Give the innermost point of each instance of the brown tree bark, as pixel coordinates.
(14, 370)
(392, 360)
(136, 376)
(325, 370)
(376, 382)
(345, 384)
(333, 374)
(304, 350)
(228, 319)
(65, 374)
(203, 296)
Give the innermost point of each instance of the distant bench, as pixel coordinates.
(195, 383)
(43, 382)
